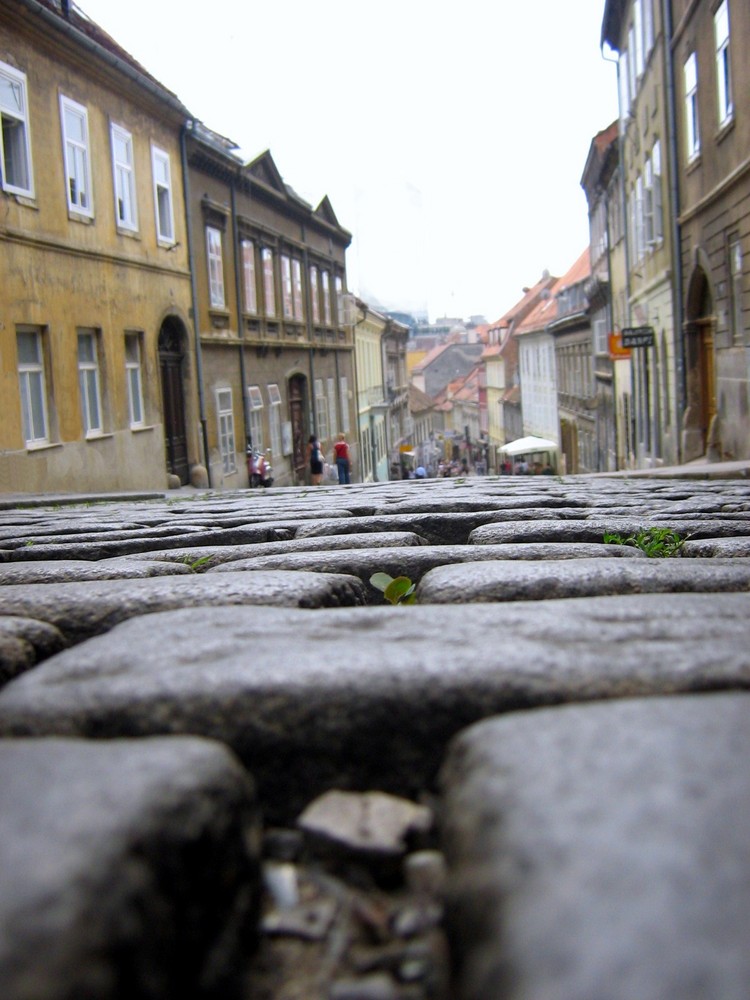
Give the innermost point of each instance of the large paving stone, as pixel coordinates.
(602, 851)
(62, 570)
(208, 556)
(360, 698)
(23, 642)
(412, 562)
(80, 610)
(509, 580)
(104, 548)
(128, 869)
(594, 527)
(724, 548)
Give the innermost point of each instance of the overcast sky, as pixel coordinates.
(449, 137)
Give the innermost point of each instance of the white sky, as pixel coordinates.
(450, 137)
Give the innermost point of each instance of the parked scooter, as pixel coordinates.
(259, 469)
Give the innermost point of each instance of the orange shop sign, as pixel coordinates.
(616, 350)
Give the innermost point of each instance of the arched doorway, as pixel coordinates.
(297, 395)
(701, 415)
(171, 365)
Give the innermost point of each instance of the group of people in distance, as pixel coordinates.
(341, 458)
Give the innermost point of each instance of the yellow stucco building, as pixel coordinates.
(98, 378)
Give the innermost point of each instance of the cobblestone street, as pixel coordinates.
(558, 730)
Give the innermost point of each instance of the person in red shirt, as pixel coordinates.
(343, 463)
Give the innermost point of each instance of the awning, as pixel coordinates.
(528, 445)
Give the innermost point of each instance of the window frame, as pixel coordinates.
(723, 64)
(344, 403)
(20, 116)
(255, 416)
(77, 159)
(249, 276)
(297, 294)
(215, 266)
(314, 294)
(325, 282)
(321, 409)
(33, 372)
(123, 178)
(134, 379)
(274, 417)
(287, 304)
(269, 285)
(163, 195)
(692, 122)
(735, 274)
(225, 430)
(89, 385)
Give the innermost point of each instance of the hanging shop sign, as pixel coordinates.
(638, 336)
(616, 350)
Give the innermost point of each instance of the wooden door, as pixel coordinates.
(299, 426)
(171, 361)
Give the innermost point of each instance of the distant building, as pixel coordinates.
(576, 395)
(500, 358)
(270, 277)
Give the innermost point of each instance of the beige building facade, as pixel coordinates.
(712, 80)
(98, 374)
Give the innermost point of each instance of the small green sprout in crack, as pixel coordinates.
(656, 543)
(398, 591)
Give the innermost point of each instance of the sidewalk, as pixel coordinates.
(698, 469)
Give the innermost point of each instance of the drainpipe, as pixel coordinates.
(237, 255)
(194, 296)
(674, 190)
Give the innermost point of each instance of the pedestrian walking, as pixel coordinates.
(342, 459)
(315, 460)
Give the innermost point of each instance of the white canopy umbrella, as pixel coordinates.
(528, 445)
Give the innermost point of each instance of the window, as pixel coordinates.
(314, 295)
(299, 312)
(269, 295)
(33, 387)
(601, 341)
(326, 298)
(287, 304)
(75, 127)
(248, 275)
(648, 27)
(14, 134)
(123, 169)
(225, 415)
(215, 268)
(648, 202)
(274, 418)
(656, 200)
(723, 75)
(321, 409)
(692, 133)
(338, 295)
(255, 406)
(88, 382)
(638, 218)
(332, 420)
(638, 33)
(162, 195)
(134, 378)
(735, 286)
(344, 401)
(623, 75)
